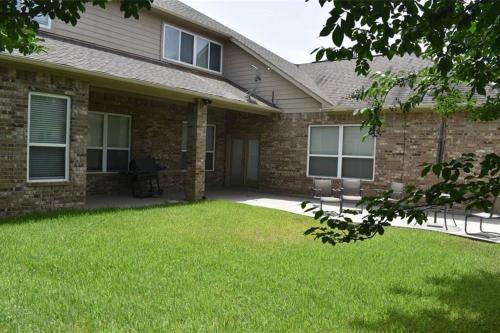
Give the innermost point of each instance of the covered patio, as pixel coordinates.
(290, 204)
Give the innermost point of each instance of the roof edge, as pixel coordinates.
(280, 72)
(238, 105)
(385, 107)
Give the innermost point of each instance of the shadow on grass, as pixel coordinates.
(462, 303)
(62, 213)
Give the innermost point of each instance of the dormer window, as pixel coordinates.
(44, 21)
(190, 49)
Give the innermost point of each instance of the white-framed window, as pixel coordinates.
(184, 142)
(48, 137)
(108, 142)
(210, 151)
(339, 151)
(210, 147)
(188, 48)
(44, 21)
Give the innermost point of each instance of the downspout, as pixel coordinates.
(441, 141)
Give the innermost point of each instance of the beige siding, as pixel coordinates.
(237, 68)
(108, 27)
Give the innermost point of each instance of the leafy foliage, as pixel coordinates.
(18, 29)
(462, 184)
(461, 40)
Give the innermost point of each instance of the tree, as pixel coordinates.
(461, 40)
(18, 27)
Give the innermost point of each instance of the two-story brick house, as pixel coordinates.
(212, 106)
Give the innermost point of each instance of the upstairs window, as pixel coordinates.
(340, 152)
(190, 49)
(44, 21)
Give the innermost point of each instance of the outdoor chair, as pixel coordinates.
(494, 214)
(350, 191)
(324, 192)
(397, 191)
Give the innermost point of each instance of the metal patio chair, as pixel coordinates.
(324, 192)
(494, 214)
(350, 191)
(398, 190)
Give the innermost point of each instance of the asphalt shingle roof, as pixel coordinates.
(338, 79)
(179, 9)
(101, 61)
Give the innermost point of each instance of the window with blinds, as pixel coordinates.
(210, 147)
(48, 137)
(108, 142)
(337, 151)
(184, 142)
(210, 151)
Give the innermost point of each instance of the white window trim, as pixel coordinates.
(182, 149)
(46, 26)
(43, 26)
(339, 154)
(193, 65)
(214, 148)
(105, 147)
(66, 145)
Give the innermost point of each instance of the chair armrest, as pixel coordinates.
(316, 192)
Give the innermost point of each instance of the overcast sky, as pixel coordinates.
(289, 28)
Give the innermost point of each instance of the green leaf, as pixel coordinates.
(337, 36)
(426, 170)
(320, 54)
(436, 169)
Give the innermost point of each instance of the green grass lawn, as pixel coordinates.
(225, 267)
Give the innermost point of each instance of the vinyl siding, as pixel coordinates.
(107, 27)
(237, 68)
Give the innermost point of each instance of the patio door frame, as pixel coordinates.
(229, 181)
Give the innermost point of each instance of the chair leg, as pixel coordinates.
(481, 224)
(320, 204)
(453, 217)
(341, 206)
(444, 216)
(465, 226)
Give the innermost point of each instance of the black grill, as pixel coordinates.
(144, 180)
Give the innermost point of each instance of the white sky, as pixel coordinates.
(289, 28)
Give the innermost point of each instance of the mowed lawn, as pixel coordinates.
(226, 267)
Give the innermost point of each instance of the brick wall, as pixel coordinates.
(399, 155)
(156, 131)
(17, 196)
(215, 178)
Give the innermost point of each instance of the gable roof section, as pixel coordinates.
(288, 70)
(73, 56)
(339, 80)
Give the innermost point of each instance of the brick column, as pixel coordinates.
(197, 145)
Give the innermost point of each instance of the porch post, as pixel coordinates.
(197, 145)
